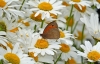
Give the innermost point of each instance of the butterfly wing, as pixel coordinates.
(51, 31)
(51, 34)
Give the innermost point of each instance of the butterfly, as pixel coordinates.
(51, 31)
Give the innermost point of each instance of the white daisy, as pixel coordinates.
(7, 9)
(24, 37)
(67, 51)
(78, 13)
(65, 37)
(16, 56)
(92, 27)
(32, 42)
(43, 46)
(92, 53)
(10, 28)
(45, 7)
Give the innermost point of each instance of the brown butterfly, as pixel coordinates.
(51, 31)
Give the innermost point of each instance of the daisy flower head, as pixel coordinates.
(67, 51)
(92, 53)
(46, 7)
(43, 46)
(65, 37)
(15, 55)
(92, 27)
(24, 37)
(7, 9)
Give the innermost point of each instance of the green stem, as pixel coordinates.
(21, 5)
(82, 33)
(35, 28)
(74, 27)
(69, 17)
(1, 61)
(82, 60)
(42, 23)
(91, 63)
(57, 59)
(82, 42)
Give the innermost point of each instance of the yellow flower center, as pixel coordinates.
(12, 58)
(9, 45)
(64, 48)
(45, 6)
(62, 35)
(65, 3)
(79, 36)
(4, 47)
(20, 20)
(41, 43)
(2, 26)
(70, 22)
(26, 23)
(76, 0)
(37, 18)
(81, 10)
(53, 16)
(14, 30)
(98, 1)
(31, 54)
(71, 61)
(94, 55)
(2, 3)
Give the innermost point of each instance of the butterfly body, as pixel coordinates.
(51, 31)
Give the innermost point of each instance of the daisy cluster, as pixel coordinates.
(23, 21)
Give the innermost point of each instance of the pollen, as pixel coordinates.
(80, 36)
(76, 0)
(14, 30)
(12, 58)
(64, 48)
(62, 35)
(71, 61)
(81, 10)
(2, 3)
(53, 16)
(31, 54)
(20, 20)
(70, 22)
(2, 26)
(4, 47)
(42, 44)
(9, 45)
(26, 23)
(36, 18)
(45, 6)
(93, 55)
(98, 1)
(65, 3)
